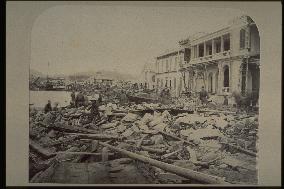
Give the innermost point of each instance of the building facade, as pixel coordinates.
(224, 61)
(167, 71)
(147, 78)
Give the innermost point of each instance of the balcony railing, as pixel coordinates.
(216, 56)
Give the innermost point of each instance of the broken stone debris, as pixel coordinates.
(194, 141)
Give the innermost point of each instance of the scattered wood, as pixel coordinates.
(192, 154)
(166, 177)
(186, 173)
(153, 150)
(105, 154)
(177, 138)
(94, 145)
(248, 152)
(94, 136)
(216, 111)
(118, 114)
(57, 142)
(44, 176)
(101, 122)
(70, 128)
(141, 140)
(66, 156)
(144, 142)
(40, 150)
(170, 154)
(200, 163)
(81, 153)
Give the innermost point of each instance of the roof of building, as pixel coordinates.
(244, 19)
(171, 52)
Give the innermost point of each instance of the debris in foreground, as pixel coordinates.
(153, 144)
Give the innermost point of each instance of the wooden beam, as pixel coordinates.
(40, 150)
(186, 173)
(177, 138)
(248, 152)
(81, 153)
(94, 136)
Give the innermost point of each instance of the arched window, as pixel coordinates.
(226, 76)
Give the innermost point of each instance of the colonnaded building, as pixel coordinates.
(224, 61)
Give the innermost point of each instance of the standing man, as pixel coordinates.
(55, 108)
(79, 100)
(95, 114)
(226, 102)
(47, 107)
(108, 112)
(73, 96)
(203, 95)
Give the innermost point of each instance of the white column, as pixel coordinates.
(195, 80)
(213, 82)
(204, 49)
(222, 44)
(220, 76)
(197, 48)
(246, 90)
(157, 66)
(213, 48)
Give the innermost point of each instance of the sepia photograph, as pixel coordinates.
(129, 94)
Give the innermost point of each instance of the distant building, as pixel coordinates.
(99, 78)
(167, 71)
(147, 77)
(57, 82)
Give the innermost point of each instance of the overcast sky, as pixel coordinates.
(122, 38)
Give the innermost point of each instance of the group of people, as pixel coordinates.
(203, 96)
(48, 107)
(79, 100)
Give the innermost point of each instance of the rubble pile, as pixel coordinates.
(215, 143)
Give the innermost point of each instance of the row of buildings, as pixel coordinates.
(224, 61)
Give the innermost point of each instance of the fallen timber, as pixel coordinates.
(69, 128)
(39, 149)
(186, 173)
(153, 150)
(215, 111)
(141, 140)
(177, 138)
(139, 99)
(172, 111)
(170, 154)
(248, 152)
(72, 129)
(58, 142)
(81, 153)
(94, 136)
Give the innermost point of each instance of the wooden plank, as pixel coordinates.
(248, 152)
(40, 150)
(177, 138)
(153, 150)
(187, 173)
(94, 136)
(73, 129)
(57, 142)
(81, 153)
(170, 154)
